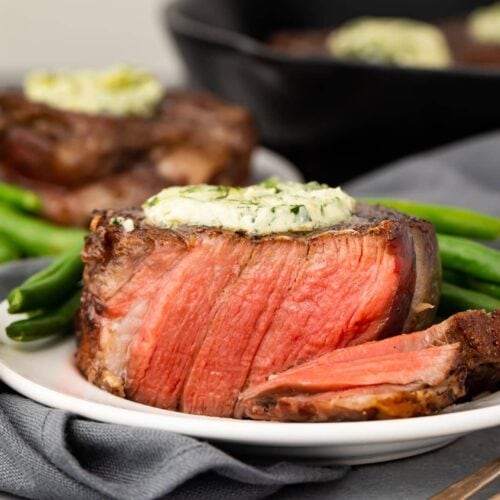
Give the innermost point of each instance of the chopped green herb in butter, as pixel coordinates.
(269, 207)
(118, 91)
(127, 224)
(394, 41)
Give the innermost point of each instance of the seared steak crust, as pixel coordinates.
(427, 268)
(73, 159)
(188, 318)
(377, 403)
(479, 334)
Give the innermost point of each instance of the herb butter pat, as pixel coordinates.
(117, 91)
(269, 207)
(393, 41)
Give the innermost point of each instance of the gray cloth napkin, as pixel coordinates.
(47, 453)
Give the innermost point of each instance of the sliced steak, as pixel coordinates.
(186, 319)
(407, 375)
(73, 159)
(429, 366)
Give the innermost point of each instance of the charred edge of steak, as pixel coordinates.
(107, 243)
(357, 407)
(428, 272)
(428, 266)
(479, 334)
(88, 353)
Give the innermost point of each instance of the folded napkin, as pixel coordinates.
(47, 453)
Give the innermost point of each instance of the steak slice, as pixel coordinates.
(186, 319)
(429, 366)
(407, 375)
(73, 159)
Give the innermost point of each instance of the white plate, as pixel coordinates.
(47, 374)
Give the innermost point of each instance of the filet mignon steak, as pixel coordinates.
(187, 319)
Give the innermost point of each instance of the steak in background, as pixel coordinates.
(301, 42)
(187, 319)
(403, 376)
(79, 162)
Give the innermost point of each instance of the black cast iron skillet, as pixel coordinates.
(337, 118)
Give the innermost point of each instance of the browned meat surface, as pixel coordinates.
(80, 162)
(407, 375)
(186, 319)
(371, 403)
(466, 51)
(300, 42)
(427, 271)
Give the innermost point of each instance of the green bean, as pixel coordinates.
(471, 283)
(482, 286)
(49, 286)
(54, 265)
(20, 198)
(460, 254)
(7, 251)
(48, 270)
(37, 237)
(455, 298)
(447, 220)
(56, 322)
